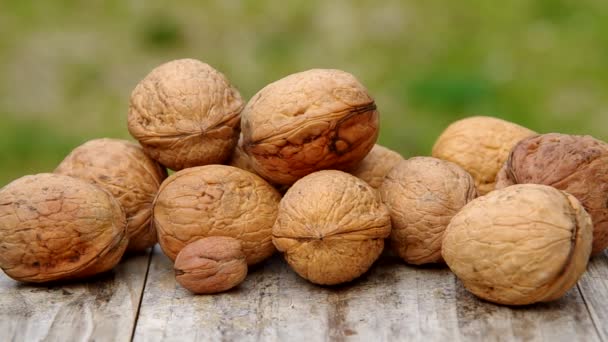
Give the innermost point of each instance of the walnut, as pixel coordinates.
(423, 194)
(123, 169)
(211, 265)
(216, 200)
(480, 145)
(312, 120)
(185, 113)
(378, 162)
(519, 245)
(575, 164)
(56, 227)
(331, 227)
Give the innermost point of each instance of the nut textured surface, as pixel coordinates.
(480, 145)
(423, 194)
(308, 121)
(519, 245)
(185, 113)
(216, 200)
(575, 164)
(123, 169)
(211, 265)
(376, 165)
(240, 159)
(57, 227)
(331, 227)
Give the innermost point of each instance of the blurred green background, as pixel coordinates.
(67, 67)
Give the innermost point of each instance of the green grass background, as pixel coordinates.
(67, 67)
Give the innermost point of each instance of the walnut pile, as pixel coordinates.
(123, 169)
(519, 245)
(378, 162)
(575, 164)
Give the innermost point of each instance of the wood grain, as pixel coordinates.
(103, 308)
(392, 302)
(594, 288)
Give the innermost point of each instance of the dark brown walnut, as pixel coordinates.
(423, 194)
(211, 265)
(519, 245)
(56, 227)
(185, 113)
(216, 200)
(480, 145)
(575, 164)
(378, 162)
(331, 227)
(312, 120)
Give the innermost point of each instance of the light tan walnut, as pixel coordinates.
(184, 114)
(56, 227)
(308, 121)
(331, 227)
(519, 245)
(216, 200)
(374, 167)
(123, 169)
(423, 194)
(480, 145)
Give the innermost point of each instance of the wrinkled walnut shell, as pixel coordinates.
(480, 145)
(57, 227)
(331, 227)
(211, 265)
(216, 200)
(308, 121)
(376, 165)
(519, 245)
(575, 164)
(185, 113)
(123, 169)
(423, 194)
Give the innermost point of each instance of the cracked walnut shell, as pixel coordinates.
(331, 227)
(123, 169)
(519, 245)
(308, 121)
(374, 167)
(575, 164)
(184, 114)
(216, 200)
(480, 145)
(423, 194)
(56, 227)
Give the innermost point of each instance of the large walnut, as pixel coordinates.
(423, 194)
(312, 120)
(185, 113)
(480, 145)
(519, 245)
(378, 162)
(57, 227)
(216, 200)
(575, 164)
(123, 169)
(331, 227)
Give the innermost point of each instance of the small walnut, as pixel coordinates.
(312, 120)
(331, 227)
(56, 227)
(211, 265)
(123, 169)
(378, 162)
(575, 164)
(185, 113)
(423, 194)
(480, 145)
(216, 200)
(519, 245)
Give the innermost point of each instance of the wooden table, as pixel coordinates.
(140, 301)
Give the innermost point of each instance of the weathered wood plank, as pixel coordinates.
(103, 308)
(594, 287)
(392, 302)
